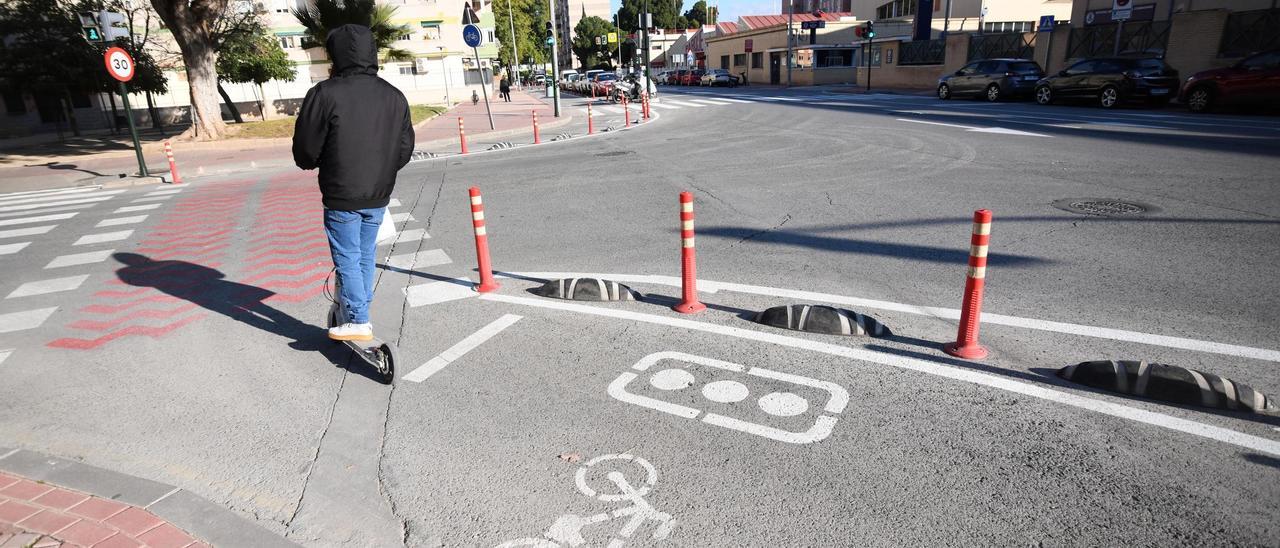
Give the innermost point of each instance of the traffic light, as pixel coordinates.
(858, 31)
(89, 26)
(871, 29)
(114, 25)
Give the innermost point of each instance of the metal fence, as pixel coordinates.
(1137, 37)
(1016, 45)
(1249, 32)
(923, 52)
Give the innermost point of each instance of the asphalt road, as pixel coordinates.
(534, 420)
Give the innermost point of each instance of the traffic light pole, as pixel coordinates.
(868, 48)
(133, 130)
(555, 62)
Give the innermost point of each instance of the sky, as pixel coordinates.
(729, 9)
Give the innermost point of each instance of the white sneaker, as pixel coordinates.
(352, 332)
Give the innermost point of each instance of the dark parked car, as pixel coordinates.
(1253, 81)
(993, 79)
(691, 77)
(1111, 81)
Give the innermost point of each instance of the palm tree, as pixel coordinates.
(320, 16)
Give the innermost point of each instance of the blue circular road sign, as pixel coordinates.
(471, 35)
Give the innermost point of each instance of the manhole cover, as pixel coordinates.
(1102, 207)
(615, 153)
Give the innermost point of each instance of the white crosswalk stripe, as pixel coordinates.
(43, 287)
(9, 249)
(165, 192)
(79, 258)
(26, 207)
(612, 110)
(30, 231)
(130, 209)
(104, 237)
(39, 219)
(64, 190)
(54, 198)
(663, 105)
(401, 217)
(152, 199)
(121, 221)
(439, 292)
(4, 354)
(421, 259)
(710, 102)
(43, 210)
(27, 319)
(411, 235)
(678, 103)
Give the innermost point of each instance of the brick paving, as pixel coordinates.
(41, 515)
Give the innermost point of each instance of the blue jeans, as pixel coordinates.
(353, 241)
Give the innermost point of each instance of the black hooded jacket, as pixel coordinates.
(354, 126)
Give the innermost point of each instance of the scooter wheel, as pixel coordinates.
(387, 363)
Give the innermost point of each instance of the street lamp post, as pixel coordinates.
(555, 61)
(791, 8)
(515, 50)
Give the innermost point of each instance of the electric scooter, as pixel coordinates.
(377, 353)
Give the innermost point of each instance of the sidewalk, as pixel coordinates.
(509, 119)
(47, 501)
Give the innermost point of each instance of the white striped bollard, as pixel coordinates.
(966, 345)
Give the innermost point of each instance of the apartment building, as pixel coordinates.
(568, 14)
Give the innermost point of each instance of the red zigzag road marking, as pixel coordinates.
(116, 308)
(154, 313)
(324, 254)
(133, 330)
(283, 271)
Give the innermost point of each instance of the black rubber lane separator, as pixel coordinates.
(815, 318)
(1169, 383)
(586, 289)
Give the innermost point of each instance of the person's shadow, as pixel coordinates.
(209, 289)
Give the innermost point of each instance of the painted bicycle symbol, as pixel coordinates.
(607, 482)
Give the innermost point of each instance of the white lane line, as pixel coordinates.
(25, 207)
(709, 286)
(27, 319)
(4, 354)
(685, 104)
(1224, 435)
(9, 249)
(152, 199)
(79, 258)
(29, 231)
(710, 102)
(35, 199)
(70, 190)
(458, 350)
(40, 219)
(104, 237)
(935, 123)
(664, 105)
(1007, 131)
(131, 209)
(439, 292)
(121, 221)
(53, 285)
(421, 259)
(394, 203)
(731, 100)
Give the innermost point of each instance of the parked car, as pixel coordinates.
(992, 79)
(570, 82)
(602, 82)
(1111, 81)
(691, 77)
(588, 79)
(719, 77)
(1253, 81)
(673, 77)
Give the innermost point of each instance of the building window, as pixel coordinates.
(724, 61)
(833, 58)
(739, 59)
(406, 36)
(1010, 26)
(489, 36)
(288, 42)
(896, 8)
(431, 30)
(406, 70)
(757, 60)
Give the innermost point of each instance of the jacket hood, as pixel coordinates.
(352, 50)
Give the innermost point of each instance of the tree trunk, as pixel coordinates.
(262, 102)
(115, 116)
(235, 112)
(71, 112)
(156, 122)
(202, 78)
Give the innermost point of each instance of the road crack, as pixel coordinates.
(316, 455)
(757, 233)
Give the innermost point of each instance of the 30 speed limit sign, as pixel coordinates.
(119, 64)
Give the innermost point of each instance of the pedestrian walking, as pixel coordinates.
(355, 127)
(505, 88)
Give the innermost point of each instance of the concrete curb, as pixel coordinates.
(210, 522)
(490, 135)
(116, 182)
(519, 146)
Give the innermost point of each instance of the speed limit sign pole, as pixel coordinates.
(120, 67)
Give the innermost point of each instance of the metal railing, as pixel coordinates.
(923, 52)
(1016, 45)
(1248, 32)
